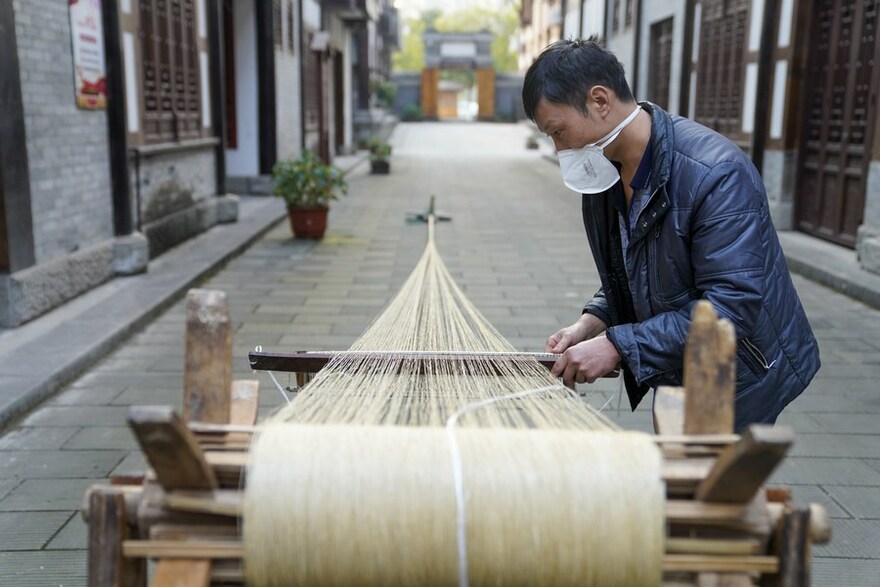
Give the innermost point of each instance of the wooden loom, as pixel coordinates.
(723, 526)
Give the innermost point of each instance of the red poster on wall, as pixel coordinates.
(89, 71)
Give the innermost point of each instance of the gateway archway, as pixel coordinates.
(458, 51)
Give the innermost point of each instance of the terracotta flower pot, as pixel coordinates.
(308, 222)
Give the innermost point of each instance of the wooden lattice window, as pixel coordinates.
(311, 85)
(172, 99)
(719, 96)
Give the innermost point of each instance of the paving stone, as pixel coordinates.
(41, 438)
(7, 485)
(836, 445)
(800, 423)
(29, 530)
(805, 471)
(47, 495)
(144, 396)
(76, 416)
(849, 423)
(61, 568)
(87, 396)
(803, 495)
(40, 464)
(73, 536)
(861, 502)
(101, 438)
(852, 539)
(844, 572)
(133, 464)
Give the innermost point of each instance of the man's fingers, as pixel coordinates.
(559, 366)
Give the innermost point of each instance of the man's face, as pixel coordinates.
(567, 126)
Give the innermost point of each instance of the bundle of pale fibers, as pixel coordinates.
(366, 478)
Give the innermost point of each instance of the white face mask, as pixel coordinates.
(586, 170)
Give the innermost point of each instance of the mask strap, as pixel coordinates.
(609, 138)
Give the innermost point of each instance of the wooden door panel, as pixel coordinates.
(840, 89)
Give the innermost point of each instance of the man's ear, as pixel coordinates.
(599, 101)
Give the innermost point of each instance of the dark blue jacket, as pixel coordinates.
(704, 233)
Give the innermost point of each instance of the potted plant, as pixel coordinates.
(380, 152)
(308, 185)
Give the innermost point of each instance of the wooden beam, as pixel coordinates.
(208, 368)
(171, 449)
(699, 563)
(709, 373)
(182, 573)
(314, 361)
(245, 402)
(669, 410)
(185, 549)
(108, 528)
(792, 546)
(743, 467)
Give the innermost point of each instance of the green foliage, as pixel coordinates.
(308, 182)
(379, 149)
(385, 92)
(411, 56)
(502, 22)
(411, 112)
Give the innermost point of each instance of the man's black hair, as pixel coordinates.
(565, 71)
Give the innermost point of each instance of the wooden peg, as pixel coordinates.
(208, 370)
(245, 401)
(108, 529)
(669, 410)
(709, 373)
(744, 466)
(171, 449)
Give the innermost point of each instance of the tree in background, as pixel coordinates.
(502, 22)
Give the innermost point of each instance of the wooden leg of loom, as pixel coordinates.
(182, 573)
(108, 528)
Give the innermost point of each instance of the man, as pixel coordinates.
(674, 213)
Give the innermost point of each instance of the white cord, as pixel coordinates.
(457, 474)
(281, 390)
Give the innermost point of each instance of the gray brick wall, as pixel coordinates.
(67, 147)
(174, 180)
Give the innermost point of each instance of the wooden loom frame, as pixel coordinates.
(724, 528)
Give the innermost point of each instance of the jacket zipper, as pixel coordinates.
(756, 354)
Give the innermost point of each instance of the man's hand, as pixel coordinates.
(586, 361)
(585, 328)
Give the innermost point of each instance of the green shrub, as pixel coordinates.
(411, 112)
(308, 182)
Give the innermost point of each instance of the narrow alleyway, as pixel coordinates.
(516, 246)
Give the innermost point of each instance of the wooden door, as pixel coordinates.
(840, 98)
(339, 102)
(660, 66)
(229, 77)
(721, 67)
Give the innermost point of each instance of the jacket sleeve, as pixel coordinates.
(598, 306)
(727, 257)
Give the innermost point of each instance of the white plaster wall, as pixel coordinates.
(288, 97)
(593, 21)
(244, 160)
(653, 12)
(621, 43)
